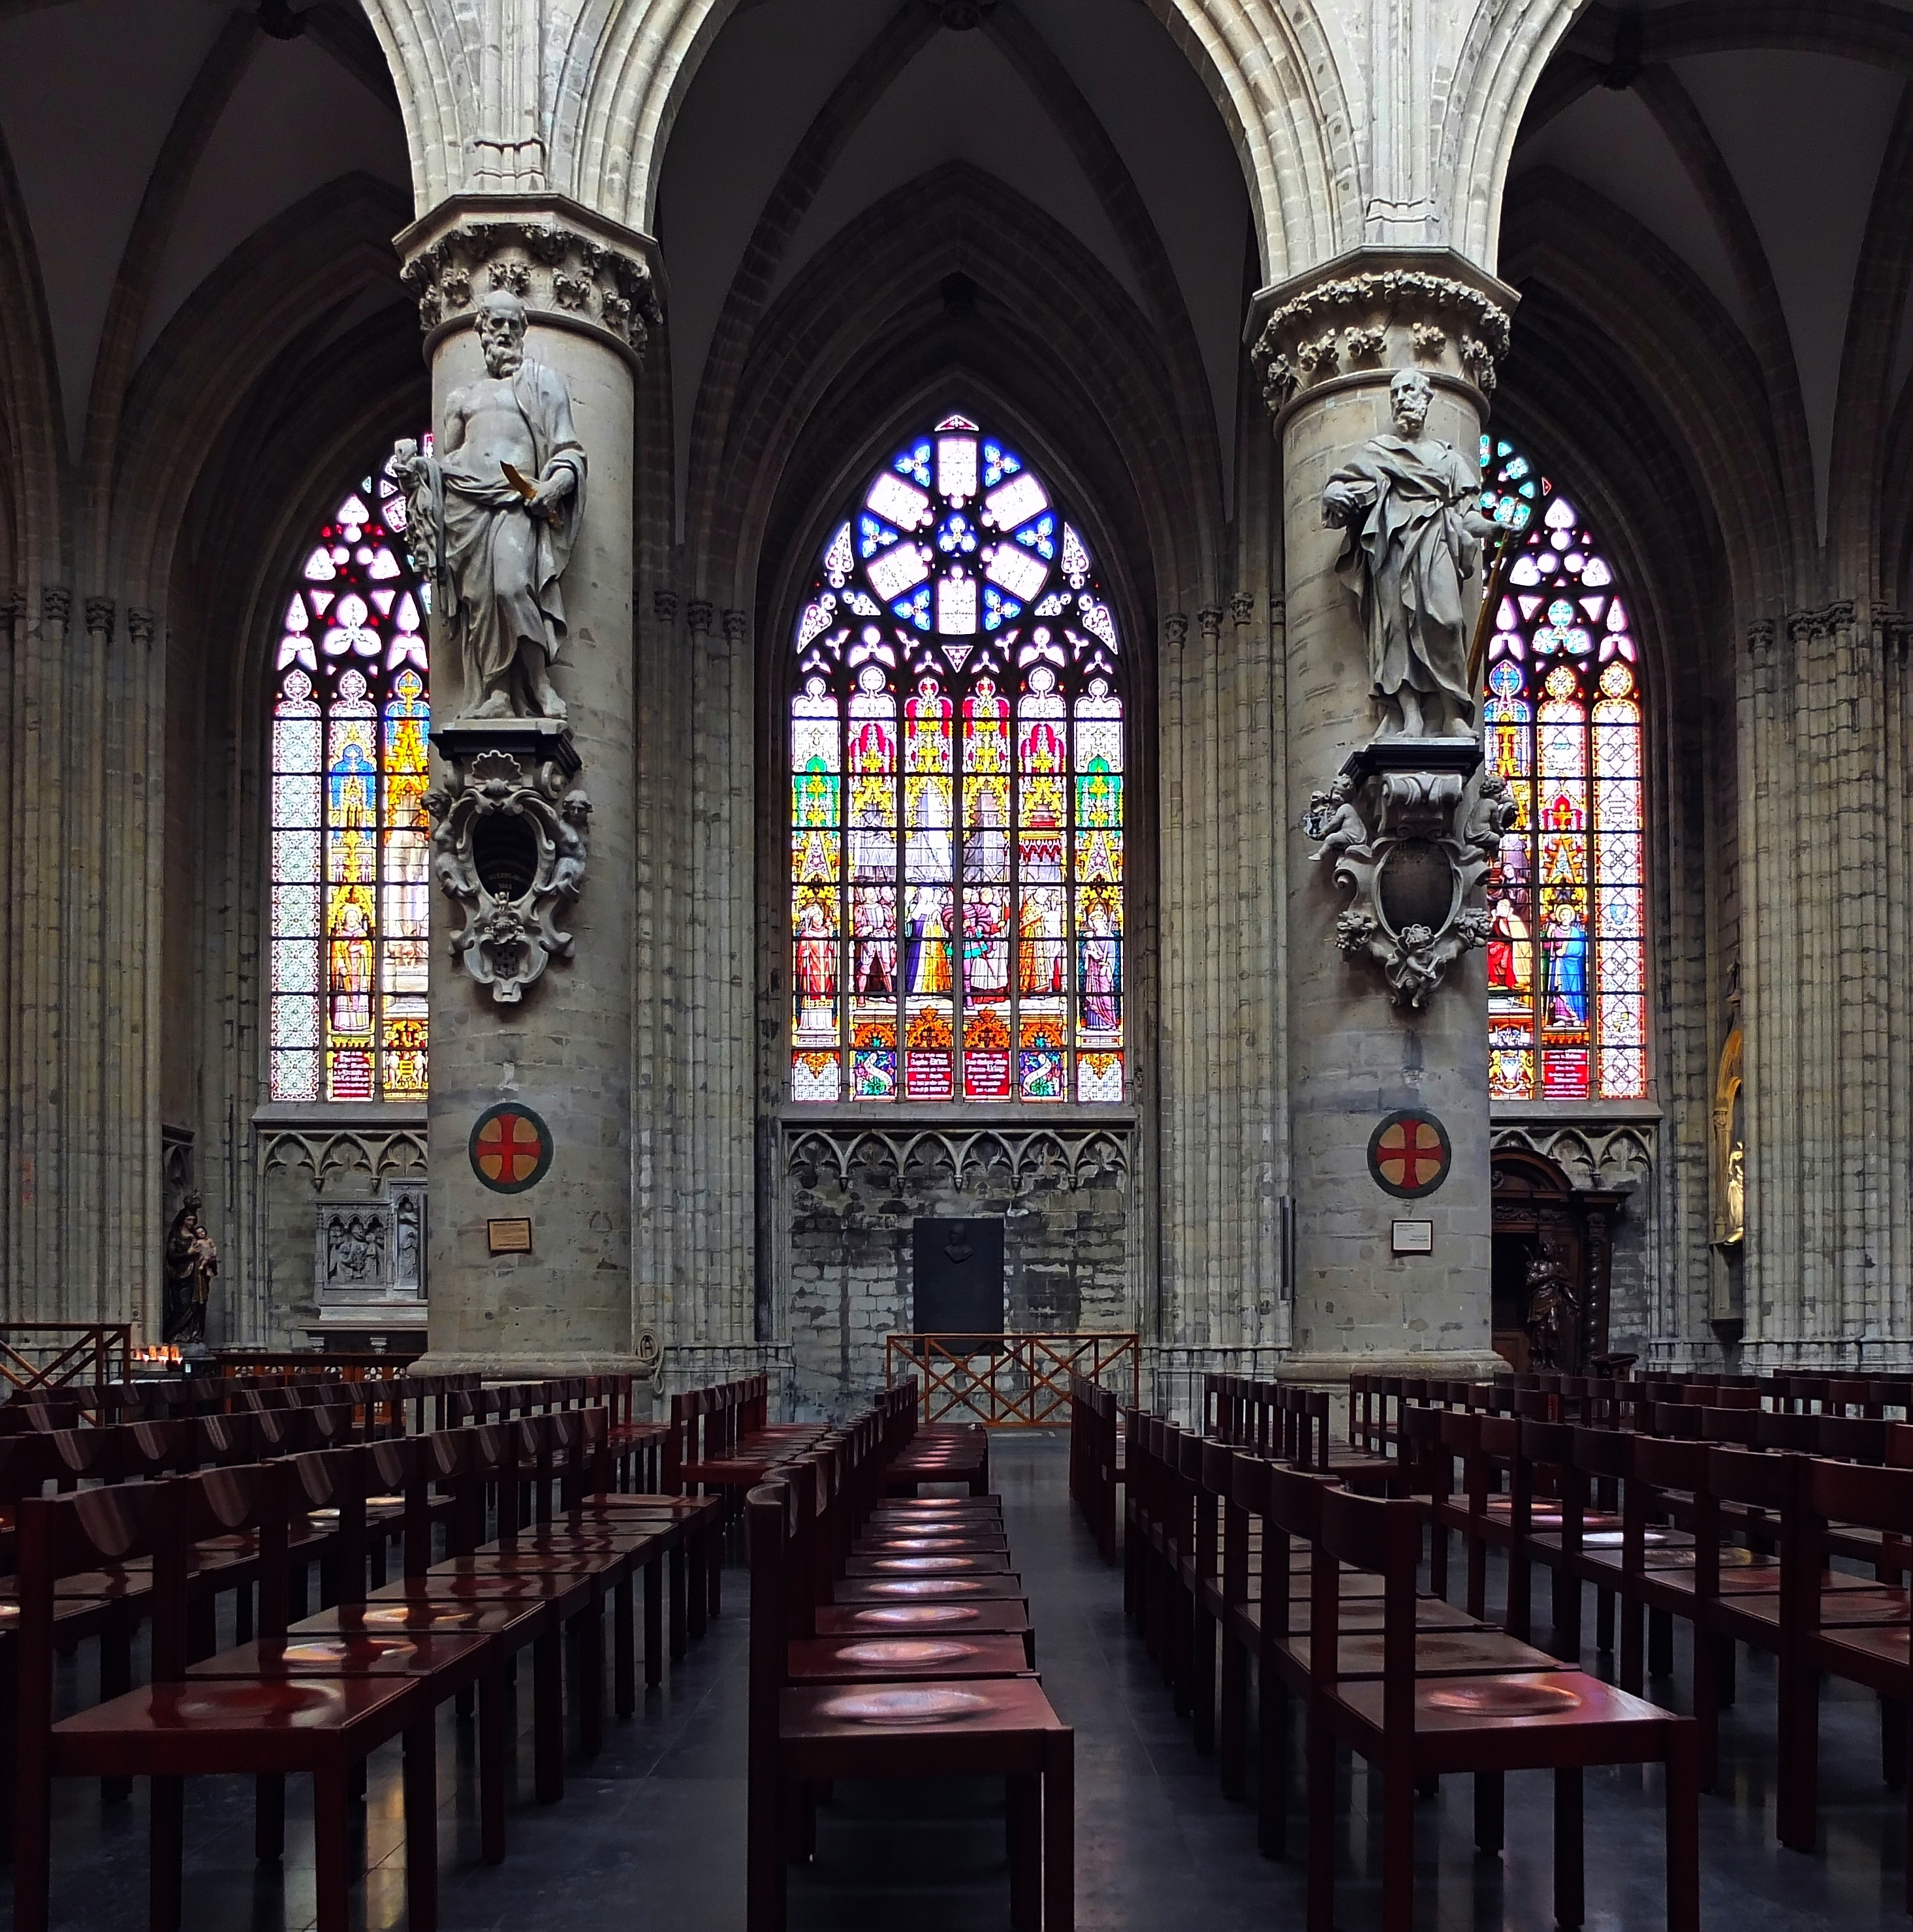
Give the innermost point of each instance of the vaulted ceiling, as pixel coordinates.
(1745, 160)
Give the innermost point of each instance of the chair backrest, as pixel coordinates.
(1380, 1537)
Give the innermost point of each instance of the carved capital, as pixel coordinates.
(1242, 608)
(735, 629)
(1375, 310)
(572, 269)
(1823, 622)
(664, 606)
(140, 625)
(1762, 633)
(698, 613)
(1211, 621)
(1175, 630)
(56, 605)
(100, 612)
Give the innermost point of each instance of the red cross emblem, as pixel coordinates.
(511, 1148)
(1409, 1154)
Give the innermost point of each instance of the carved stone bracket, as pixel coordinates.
(1381, 309)
(508, 845)
(1409, 831)
(567, 264)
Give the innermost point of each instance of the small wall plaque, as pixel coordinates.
(509, 1238)
(1411, 1237)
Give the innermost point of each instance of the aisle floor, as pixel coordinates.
(650, 1834)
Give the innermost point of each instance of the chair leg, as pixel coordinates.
(331, 1810)
(548, 1716)
(1271, 1762)
(1321, 1826)
(1683, 1831)
(1059, 1833)
(1570, 1888)
(1707, 1707)
(1023, 1819)
(589, 1624)
(1796, 1805)
(1604, 1622)
(764, 1876)
(493, 1707)
(1202, 1674)
(421, 1824)
(654, 1622)
(166, 1854)
(677, 1604)
(1892, 1742)
(1660, 1643)
(269, 1817)
(1398, 1849)
(1438, 1560)
(115, 1680)
(624, 1649)
(1490, 1812)
(1232, 1739)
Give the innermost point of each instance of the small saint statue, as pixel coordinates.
(1552, 1312)
(191, 1262)
(492, 516)
(1409, 503)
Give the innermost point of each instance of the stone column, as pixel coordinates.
(1330, 344)
(563, 1051)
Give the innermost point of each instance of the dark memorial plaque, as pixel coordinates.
(958, 1284)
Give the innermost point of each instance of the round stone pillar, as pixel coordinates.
(534, 1277)
(1381, 1282)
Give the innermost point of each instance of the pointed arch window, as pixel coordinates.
(350, 841)
(957, 755)
(1563, 723)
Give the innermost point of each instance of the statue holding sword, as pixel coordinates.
(492, 515)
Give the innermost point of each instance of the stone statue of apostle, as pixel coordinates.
(1409, 503)
(491, 518)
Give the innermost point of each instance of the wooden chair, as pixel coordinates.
(1416, 1727)
(175, 1727)
(804, 1734)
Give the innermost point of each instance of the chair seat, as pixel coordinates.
(1000, 1616)
(1450, 1710)
(354, 1654)
(926, 1589)
(565, 1588)
(904, 1563)
(206, 1725)
(1480, 1652)
(502, 1619)
(874, 1659)
(977, 1728)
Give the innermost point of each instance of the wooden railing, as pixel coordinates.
(98, 1351)
(1011, 1381)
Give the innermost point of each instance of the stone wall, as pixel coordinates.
(1071, 1259)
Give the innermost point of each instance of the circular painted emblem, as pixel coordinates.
(511, 1148)
(1409, 1154)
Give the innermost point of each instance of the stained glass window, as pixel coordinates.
(351, 843)
(1563, 723)
(956, 759)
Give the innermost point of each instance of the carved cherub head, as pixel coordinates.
(501, 325)
(1409, 396)
(575, 809)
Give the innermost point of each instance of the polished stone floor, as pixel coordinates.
(650, 1834)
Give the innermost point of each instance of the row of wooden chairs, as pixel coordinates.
(1247, 1567)
(890, 1639)
(1096, 1459)
(315, 1694)
(1731, 1521)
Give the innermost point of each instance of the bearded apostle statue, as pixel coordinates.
(493, 513)
(1409, 504)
